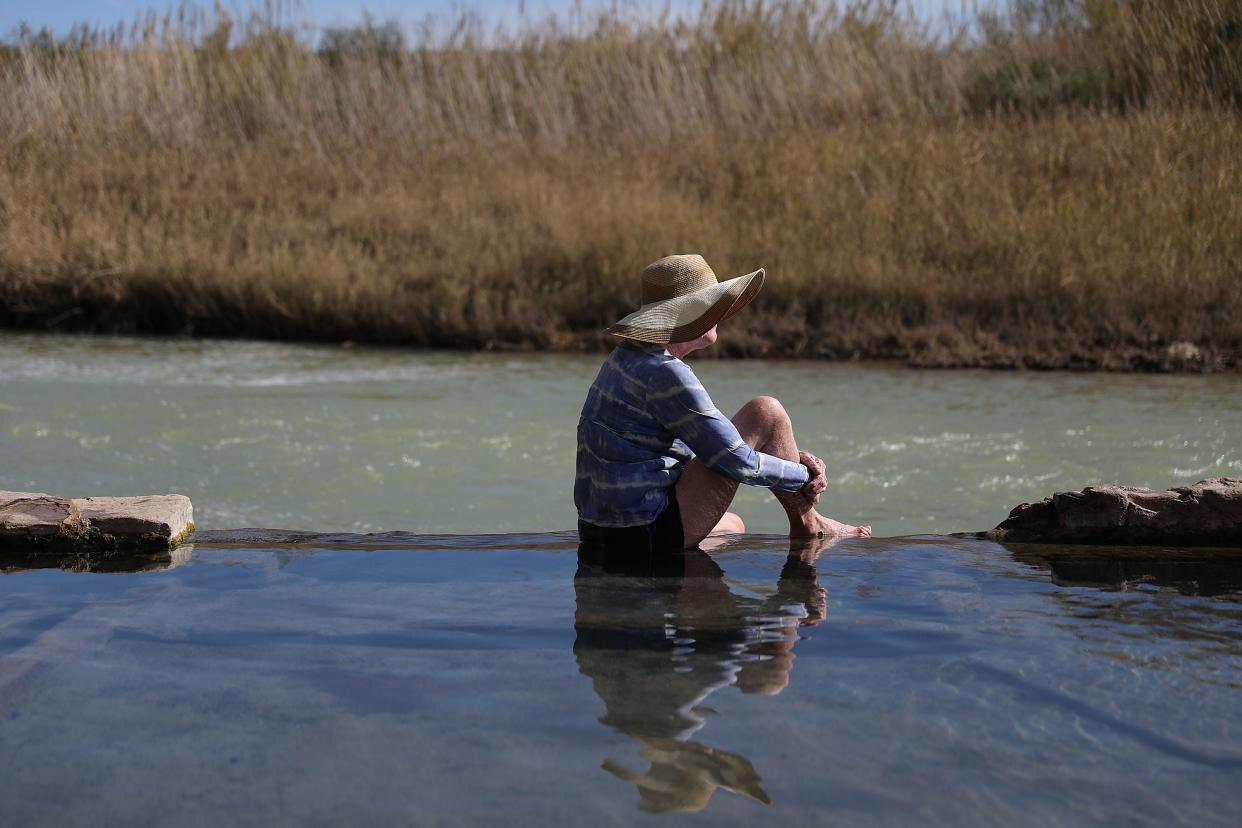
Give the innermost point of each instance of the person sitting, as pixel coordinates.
(657, 463)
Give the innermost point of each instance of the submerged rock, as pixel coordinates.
(37, 521)
(1209, 513)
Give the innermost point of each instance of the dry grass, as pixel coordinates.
(1060, 193)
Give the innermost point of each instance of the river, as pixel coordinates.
(483, 676)
(329, 438)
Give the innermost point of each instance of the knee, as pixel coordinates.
(768, 409)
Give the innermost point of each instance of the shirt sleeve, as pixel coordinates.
(681, 404)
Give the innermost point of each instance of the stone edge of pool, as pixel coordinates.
(36, 522)
(1206, 514)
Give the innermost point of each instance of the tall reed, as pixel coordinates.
(1053, 186)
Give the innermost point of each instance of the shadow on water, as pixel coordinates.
(24, 559)
(1204, 572)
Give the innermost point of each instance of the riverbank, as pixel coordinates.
(937, 204)
(1086, 242)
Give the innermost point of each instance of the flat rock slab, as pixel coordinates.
(1209, 513)
(87, 523)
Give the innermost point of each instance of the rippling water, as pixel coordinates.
(293, 676)
(396, 679)
(365, 440)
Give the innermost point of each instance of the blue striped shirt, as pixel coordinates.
(646, 416)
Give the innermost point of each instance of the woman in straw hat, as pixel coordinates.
(658, 464)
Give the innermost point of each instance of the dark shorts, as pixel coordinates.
(637, 548)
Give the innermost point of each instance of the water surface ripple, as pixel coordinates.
(387, 679)
(367, 440)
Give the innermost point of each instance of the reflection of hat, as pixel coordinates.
(684, 775)
(681, 300)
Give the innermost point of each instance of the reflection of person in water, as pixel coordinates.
(656, 641)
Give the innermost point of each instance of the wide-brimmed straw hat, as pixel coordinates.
(681, 301)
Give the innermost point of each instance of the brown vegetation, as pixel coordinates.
(1054, 189)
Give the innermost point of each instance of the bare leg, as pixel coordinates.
(704, 495)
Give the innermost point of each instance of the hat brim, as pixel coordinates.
(688, 317)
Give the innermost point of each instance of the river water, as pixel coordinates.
(368, 440)
(485, 675)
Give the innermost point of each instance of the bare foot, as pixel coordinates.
(836, 529)
(812, 524)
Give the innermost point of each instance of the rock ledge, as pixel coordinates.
(38, 521)
(1209, 513)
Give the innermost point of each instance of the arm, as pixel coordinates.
(682, 405)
